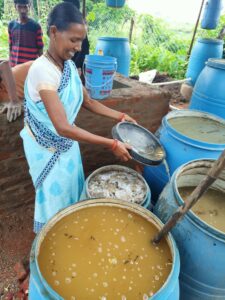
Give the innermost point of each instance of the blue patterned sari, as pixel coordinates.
(54, 162)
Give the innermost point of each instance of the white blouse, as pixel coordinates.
(42, 75)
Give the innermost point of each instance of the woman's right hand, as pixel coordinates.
(120, 150)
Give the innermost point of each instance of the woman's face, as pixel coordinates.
(67, 43)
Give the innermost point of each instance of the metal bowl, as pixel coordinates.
(146, 148)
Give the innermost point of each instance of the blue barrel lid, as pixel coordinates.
(210, 41)
(110, 38)
(102, 59)
(216, 63)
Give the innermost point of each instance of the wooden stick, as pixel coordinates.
(131, 29)
(221, 34)
(202, 187)
(195, 30)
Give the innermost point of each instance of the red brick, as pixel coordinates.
(19, 296)
(25, 285)
(20, 270)
(8, 296)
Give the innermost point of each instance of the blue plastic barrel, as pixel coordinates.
(115, 3)
(116, 47)
(99, 73)
(209, 91)
(157, 178)
(211, 14)
(39, 288)
(201, 246)
(86, 193)
(179, 149)
(201, 52)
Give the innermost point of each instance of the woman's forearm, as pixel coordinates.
(100, 109)
(81, 135)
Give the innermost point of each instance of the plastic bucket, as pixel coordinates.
(116, 47)
(209, 91)
(39, 289)
(86, 194)
(180, 148)
(201, 246)
(115, 3)
(211, 14)
(99, 73)
(201, 52)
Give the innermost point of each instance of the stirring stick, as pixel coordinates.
(202, 187)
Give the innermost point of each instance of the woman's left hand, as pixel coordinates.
(127, 118)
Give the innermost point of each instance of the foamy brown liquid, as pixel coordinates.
(104, 253)
(210, 208)
(202, 129)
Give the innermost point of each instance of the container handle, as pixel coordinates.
(98, 86)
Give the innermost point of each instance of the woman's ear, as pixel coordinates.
(52, 31)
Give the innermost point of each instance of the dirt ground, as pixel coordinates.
(16, 237)
(176, 98)
(16, 234)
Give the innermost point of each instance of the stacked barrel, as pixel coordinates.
(204, 48)
(192, 140)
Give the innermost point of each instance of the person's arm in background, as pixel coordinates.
(39, 40)
(14, 107)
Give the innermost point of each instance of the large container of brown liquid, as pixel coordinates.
(101, 249)
(200, 235)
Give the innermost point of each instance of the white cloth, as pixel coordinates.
(42, 75)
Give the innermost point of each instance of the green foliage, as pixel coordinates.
(45, 7)
(103, 20)
(4, 45)
(154, 30)
(91, 3)
(212, 33)
(154, 44)
(1, 8)
(100, 15)
(159, 48)
(149, 57)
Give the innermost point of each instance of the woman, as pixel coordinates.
(53, 97)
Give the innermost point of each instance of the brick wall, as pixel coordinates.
(15, 184)
(146, 105)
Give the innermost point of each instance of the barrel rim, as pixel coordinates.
(100, 59)
(207, 228)
(118, 203)
(193, 142)
(210, 41)
(216, 63)
(118, 5)
(111, 38)
(122, 168)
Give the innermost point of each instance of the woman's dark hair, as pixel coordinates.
(62, 15)
(21, 2)
(74, 2)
